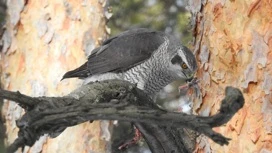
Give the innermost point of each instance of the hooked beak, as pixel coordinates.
(190, 78)
(191, 81)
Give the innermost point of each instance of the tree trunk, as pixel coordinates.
(43, 40)
(236, 50)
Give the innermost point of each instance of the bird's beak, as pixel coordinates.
(190, 78)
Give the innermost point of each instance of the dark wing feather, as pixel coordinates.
(121, 52)
(81, 72)
(125, 51)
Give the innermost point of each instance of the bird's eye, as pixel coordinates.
(184, 66)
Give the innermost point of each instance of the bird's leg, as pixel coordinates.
(134, 140)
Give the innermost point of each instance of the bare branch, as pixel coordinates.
(24, 101)
(116, 100)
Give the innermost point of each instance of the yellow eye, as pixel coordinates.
(184, 66)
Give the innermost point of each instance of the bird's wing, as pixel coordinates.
(120, 53)
(124, 51)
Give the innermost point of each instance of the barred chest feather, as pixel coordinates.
(150, 76)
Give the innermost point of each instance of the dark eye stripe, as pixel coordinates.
(176, 60)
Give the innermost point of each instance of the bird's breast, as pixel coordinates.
(150, 76)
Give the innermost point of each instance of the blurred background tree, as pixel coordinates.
(169, 16)
(41, 41)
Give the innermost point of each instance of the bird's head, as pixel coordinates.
(183, 63)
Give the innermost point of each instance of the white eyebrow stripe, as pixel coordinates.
(184, 58)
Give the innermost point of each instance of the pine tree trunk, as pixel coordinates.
(43, 40)
(236, 50)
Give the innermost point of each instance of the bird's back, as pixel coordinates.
(120, 53)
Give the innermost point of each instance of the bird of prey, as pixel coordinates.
(148, 58)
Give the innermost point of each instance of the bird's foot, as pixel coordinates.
(134, 140)
(186, 87)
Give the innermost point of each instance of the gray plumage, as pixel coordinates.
(149, 58)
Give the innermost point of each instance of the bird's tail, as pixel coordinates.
(81, 72)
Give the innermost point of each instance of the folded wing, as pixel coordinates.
(119, 53)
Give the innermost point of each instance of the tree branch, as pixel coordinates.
(24, 101)
(115, 100)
